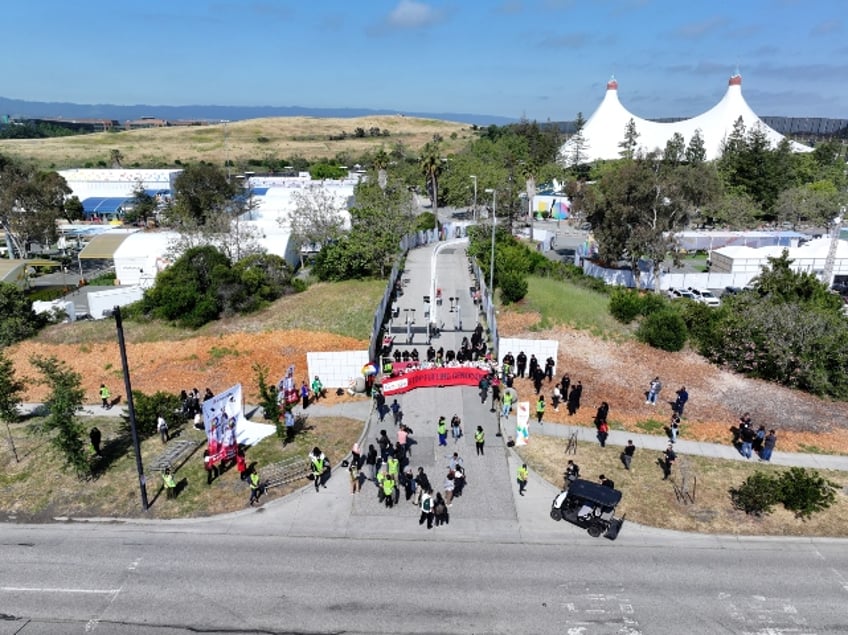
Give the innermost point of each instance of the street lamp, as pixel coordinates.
(474, 178)
(494, 194)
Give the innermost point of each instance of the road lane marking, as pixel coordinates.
(19, 589)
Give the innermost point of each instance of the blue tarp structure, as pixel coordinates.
(100, 206)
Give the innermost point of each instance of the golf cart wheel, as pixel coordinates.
(595, 530)
(556, 513)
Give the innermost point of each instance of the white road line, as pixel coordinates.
(18, 589)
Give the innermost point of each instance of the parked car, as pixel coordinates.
(705, 297)
(732, 290)
(590, 506)
(676, 294)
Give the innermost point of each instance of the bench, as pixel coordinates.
(175, 455)
(283, 472)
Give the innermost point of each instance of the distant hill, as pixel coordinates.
(66, 110)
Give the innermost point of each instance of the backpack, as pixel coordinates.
(426, 505)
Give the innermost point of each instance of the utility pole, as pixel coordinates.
(830, 262)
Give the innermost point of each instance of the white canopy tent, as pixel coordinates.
(604, 130)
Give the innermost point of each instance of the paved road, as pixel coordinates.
(501, 565)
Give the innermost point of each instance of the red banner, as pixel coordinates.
(432, 378)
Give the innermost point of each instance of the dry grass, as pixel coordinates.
(651, 501)
(115, 492)
(281, 137)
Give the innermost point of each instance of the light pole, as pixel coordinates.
(494, 194)
(474, 178)
(830, 261)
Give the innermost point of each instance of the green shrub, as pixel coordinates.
(757, 495)
(799, 490)
(664, 329)
(625, 305)
(651, 303)
(148, 408)
(17, 319)
(513, 287)
(805, 492)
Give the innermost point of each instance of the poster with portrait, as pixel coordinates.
(222, 416)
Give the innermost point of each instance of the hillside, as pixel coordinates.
(277, 137)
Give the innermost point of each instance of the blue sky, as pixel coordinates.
(542, 59)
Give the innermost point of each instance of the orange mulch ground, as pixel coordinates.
(619, 373)
(214, 362)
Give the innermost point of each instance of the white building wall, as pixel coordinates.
(336, 369)
(542, 349)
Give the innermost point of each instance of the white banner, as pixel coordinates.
(223, 415)
(522, 419)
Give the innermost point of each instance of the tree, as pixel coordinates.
(578, 146)
(630, 142)
(782, 284)
(675, 150)
(142, 206)
(431, 165)
(201, 193)
(317, 218)
(63, 403)
(696, 151)
(30, 204)
(815, 203)
(381, 163)
(732, 209)
(268, 399)
(74, 211)
(11, 389)
(207, 210)
(116, 158)
(17, 319)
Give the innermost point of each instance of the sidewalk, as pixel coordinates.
(683, 447)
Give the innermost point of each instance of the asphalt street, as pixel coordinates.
(331, 562)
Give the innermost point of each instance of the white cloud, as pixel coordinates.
(409, 14)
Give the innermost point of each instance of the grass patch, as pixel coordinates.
(651, 426)
(342, 308)
(39, 489)
(813, 449)
(649, 500)
(568, 304)
(217, 353)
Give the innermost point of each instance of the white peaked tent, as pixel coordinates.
(605, 128)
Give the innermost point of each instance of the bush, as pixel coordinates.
(17, 319)
(799, 490)
(805, 492)
(513, 287)
(757, 495)
(651, 303)
(149, 407)
(625, 305)
(664, 329)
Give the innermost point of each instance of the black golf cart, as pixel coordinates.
(591, 506)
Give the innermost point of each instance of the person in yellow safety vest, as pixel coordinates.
(480, 440)
(318, 463)
(540, 409)
(522, 478)
(255, 487)
(442, 430)
(105, 395)
(393, 467)
(506, 400)
(170, 483)
(389, 490)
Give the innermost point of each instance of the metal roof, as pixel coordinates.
(103, 205)
(102, 246)
(594, 492)
(12, 270)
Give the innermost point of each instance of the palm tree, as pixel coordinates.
(431, 166)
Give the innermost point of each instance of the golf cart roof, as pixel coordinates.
(594, 492)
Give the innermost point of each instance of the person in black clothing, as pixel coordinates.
(496, 395)
(422, 483)
(385, 445)
(521, 364)
(431, 354)
(574, 398)
(534, 365)
(601, 414)
(667, 460)
(538, 375)
(627, 455)
(572, 472)
(564, 384)
(549, 368)
(95, 437)
(606, 482)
